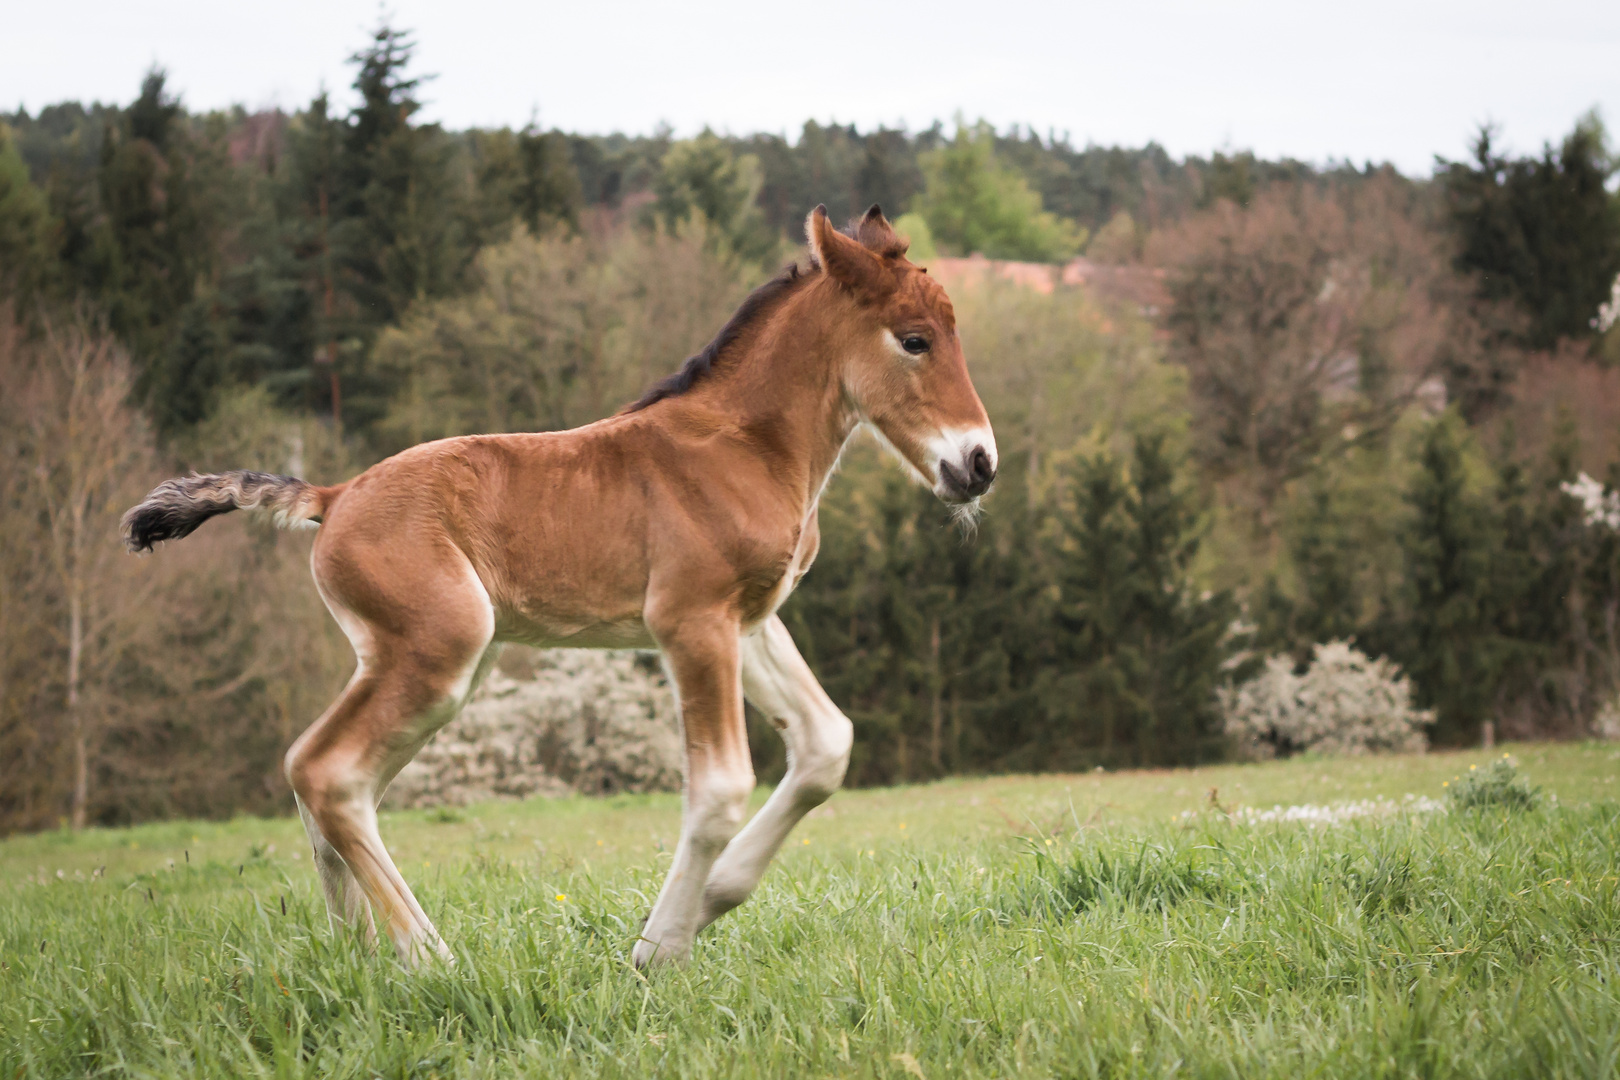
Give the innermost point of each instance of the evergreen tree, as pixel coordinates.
(1542, 233)
(1555, 600)
(527, 176)
(1451, 649)
(701, 178)
(1140, 651)
(399, 210)
(1324, 555)
(145, 252)
(27, 231)
(1527, 622)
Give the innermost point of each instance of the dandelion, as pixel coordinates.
(805, 841)
(1445, 783)
(902, 825)
(1471, 768)
(870, 853)
(1048, 841)
(599, 843)
(562, 898)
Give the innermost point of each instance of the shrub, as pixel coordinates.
(1344, 703)
(1500, 785)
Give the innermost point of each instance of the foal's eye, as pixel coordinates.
(915, 344)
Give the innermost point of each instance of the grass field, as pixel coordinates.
(1127, 924)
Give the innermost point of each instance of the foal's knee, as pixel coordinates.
(716, 809)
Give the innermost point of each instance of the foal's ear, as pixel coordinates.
(846, 260)
(877, 235)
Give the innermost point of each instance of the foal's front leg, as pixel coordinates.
(703, 657)
(781, 685)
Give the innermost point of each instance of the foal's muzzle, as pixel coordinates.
(970, 478)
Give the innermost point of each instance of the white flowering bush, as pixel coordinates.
(1600, 505)
(1609, 314)
(1344, 703)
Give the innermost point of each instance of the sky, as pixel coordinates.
(1373, 81)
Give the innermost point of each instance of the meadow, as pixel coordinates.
(1124, 924)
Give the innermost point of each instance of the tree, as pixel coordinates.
(527, 176)
(1307, 324)
(1451, 648)
(27, 261)
(1141, 650)
(975, 203)
(555, 331)
(1542, 233)
(86, 456)
(158, 233)
(396, 216)
(702, 179)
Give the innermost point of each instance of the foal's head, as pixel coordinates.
(903, 368)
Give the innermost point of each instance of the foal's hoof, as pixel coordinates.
(649, 953)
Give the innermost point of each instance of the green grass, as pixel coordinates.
(1061, 926)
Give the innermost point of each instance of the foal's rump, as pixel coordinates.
(547, 530)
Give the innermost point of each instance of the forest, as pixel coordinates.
(1337, 404)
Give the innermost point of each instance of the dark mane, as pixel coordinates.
(759, 303)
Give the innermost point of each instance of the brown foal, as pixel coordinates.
(681, 524)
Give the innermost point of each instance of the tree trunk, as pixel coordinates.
(936, 719)
(81, 749)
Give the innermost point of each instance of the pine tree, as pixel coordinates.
(526, 176)
(703, 179)
(1542, 233)
(395, 216)
(1450, 648)
(1142, 650)
(27, 231)
(1323, 553)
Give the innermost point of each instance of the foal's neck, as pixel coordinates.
(782, 391)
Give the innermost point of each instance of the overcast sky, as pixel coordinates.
(1376, 80)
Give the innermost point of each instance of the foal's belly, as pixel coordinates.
(552, 632)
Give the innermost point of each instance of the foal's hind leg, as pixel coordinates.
(345, 902)
(408, 686)
(780, 684)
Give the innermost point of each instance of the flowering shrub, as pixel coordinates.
(1609, 314)
(1600, 505)
(1500, 785)
(1345, 703)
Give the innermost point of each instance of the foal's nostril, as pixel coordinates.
(970, 479)
(983, 471)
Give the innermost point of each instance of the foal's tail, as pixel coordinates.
(176, 507)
